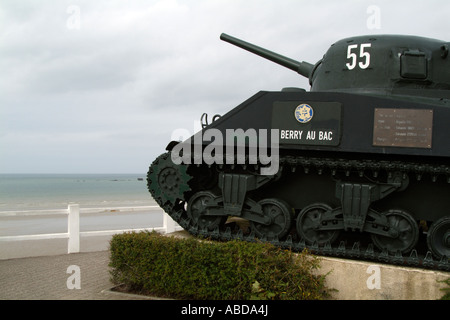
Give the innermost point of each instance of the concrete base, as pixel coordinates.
(357, 280)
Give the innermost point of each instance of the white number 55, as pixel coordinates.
(363, 55)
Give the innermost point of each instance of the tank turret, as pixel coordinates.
(383, 64)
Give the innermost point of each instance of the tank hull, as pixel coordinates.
(373, 169)
(409, 127)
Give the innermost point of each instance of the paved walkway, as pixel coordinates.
(52, 277)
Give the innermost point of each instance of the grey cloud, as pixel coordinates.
(135, 71)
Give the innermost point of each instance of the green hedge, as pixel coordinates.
(192, 269)
(446, 296)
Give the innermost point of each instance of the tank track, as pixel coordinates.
(356, 251)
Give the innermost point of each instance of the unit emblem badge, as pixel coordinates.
(304, 113)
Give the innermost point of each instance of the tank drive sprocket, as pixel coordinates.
(167, 182)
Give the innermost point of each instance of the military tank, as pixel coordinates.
(358, 166)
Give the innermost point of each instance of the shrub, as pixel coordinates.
(191, 269)
(446, 296)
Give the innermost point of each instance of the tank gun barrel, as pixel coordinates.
(303, 68)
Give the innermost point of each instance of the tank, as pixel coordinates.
(358, 166)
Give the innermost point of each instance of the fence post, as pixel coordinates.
(168, 223)
(73, 227)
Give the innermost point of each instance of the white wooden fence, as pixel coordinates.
(73, 225)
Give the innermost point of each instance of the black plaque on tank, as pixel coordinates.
(308, 122)
(411, 128)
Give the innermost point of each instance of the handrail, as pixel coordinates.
(82, 210)
(73, 224)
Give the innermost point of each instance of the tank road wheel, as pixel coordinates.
(280, 216)
(438, 238)
(405, 233)
(309, 223)
(198, 206)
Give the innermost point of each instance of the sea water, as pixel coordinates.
(23, 192)
(30, 192)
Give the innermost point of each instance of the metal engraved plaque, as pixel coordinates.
(410, 128)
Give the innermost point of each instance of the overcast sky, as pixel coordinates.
(100, 86)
